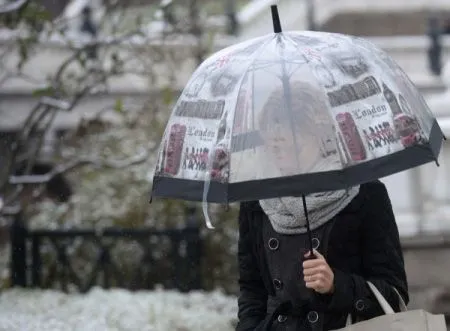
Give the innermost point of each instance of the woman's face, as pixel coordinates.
(291, 153)
(293, 134)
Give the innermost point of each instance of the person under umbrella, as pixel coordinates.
(353, 231)
(323, 117)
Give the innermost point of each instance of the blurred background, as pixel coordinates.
(86, 88)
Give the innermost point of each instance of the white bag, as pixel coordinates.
(412, 320)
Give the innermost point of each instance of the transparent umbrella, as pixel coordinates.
(290, 114)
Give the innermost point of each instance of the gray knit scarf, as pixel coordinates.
(287, 215)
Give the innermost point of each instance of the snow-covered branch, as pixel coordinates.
(55, 103)
(98, 163)
(13, 6)
(41, 153)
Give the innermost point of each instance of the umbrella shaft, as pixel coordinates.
(288, 101)
(308, 228)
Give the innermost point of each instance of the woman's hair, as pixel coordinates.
(308, 109)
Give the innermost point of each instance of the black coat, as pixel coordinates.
(363, 244)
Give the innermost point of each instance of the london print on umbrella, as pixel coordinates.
(290, 114)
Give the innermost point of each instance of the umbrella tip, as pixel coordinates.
(275, 19)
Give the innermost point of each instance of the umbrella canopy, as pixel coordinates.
(292, 113)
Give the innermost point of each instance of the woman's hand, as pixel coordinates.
(318, 274)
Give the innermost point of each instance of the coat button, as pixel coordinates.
(315, 243)
(282, 318)
(273, 244)
(278, 284)
(359, 305)
(313, 317)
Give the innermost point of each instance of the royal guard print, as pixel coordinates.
(351, 136)
(379, 135)
(195, 159)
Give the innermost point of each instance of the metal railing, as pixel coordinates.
(126, 258)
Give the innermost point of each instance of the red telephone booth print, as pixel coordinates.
(174, 149)
(352, 138)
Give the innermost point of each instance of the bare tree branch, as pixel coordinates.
(136, 52)
(13, 197)
(55, 103)
(52, 105)
(112, 164)
(40, 138)
(10, 210)
(10, 7)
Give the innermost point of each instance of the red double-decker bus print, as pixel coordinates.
(408, 129)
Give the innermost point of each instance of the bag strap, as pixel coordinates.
(401, 302)
(383, 302)
(387, 308)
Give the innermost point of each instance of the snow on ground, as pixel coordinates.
(116, 310)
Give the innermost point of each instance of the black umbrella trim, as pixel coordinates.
(192, 190)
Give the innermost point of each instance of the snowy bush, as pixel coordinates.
(106, 192)
(116, 310)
